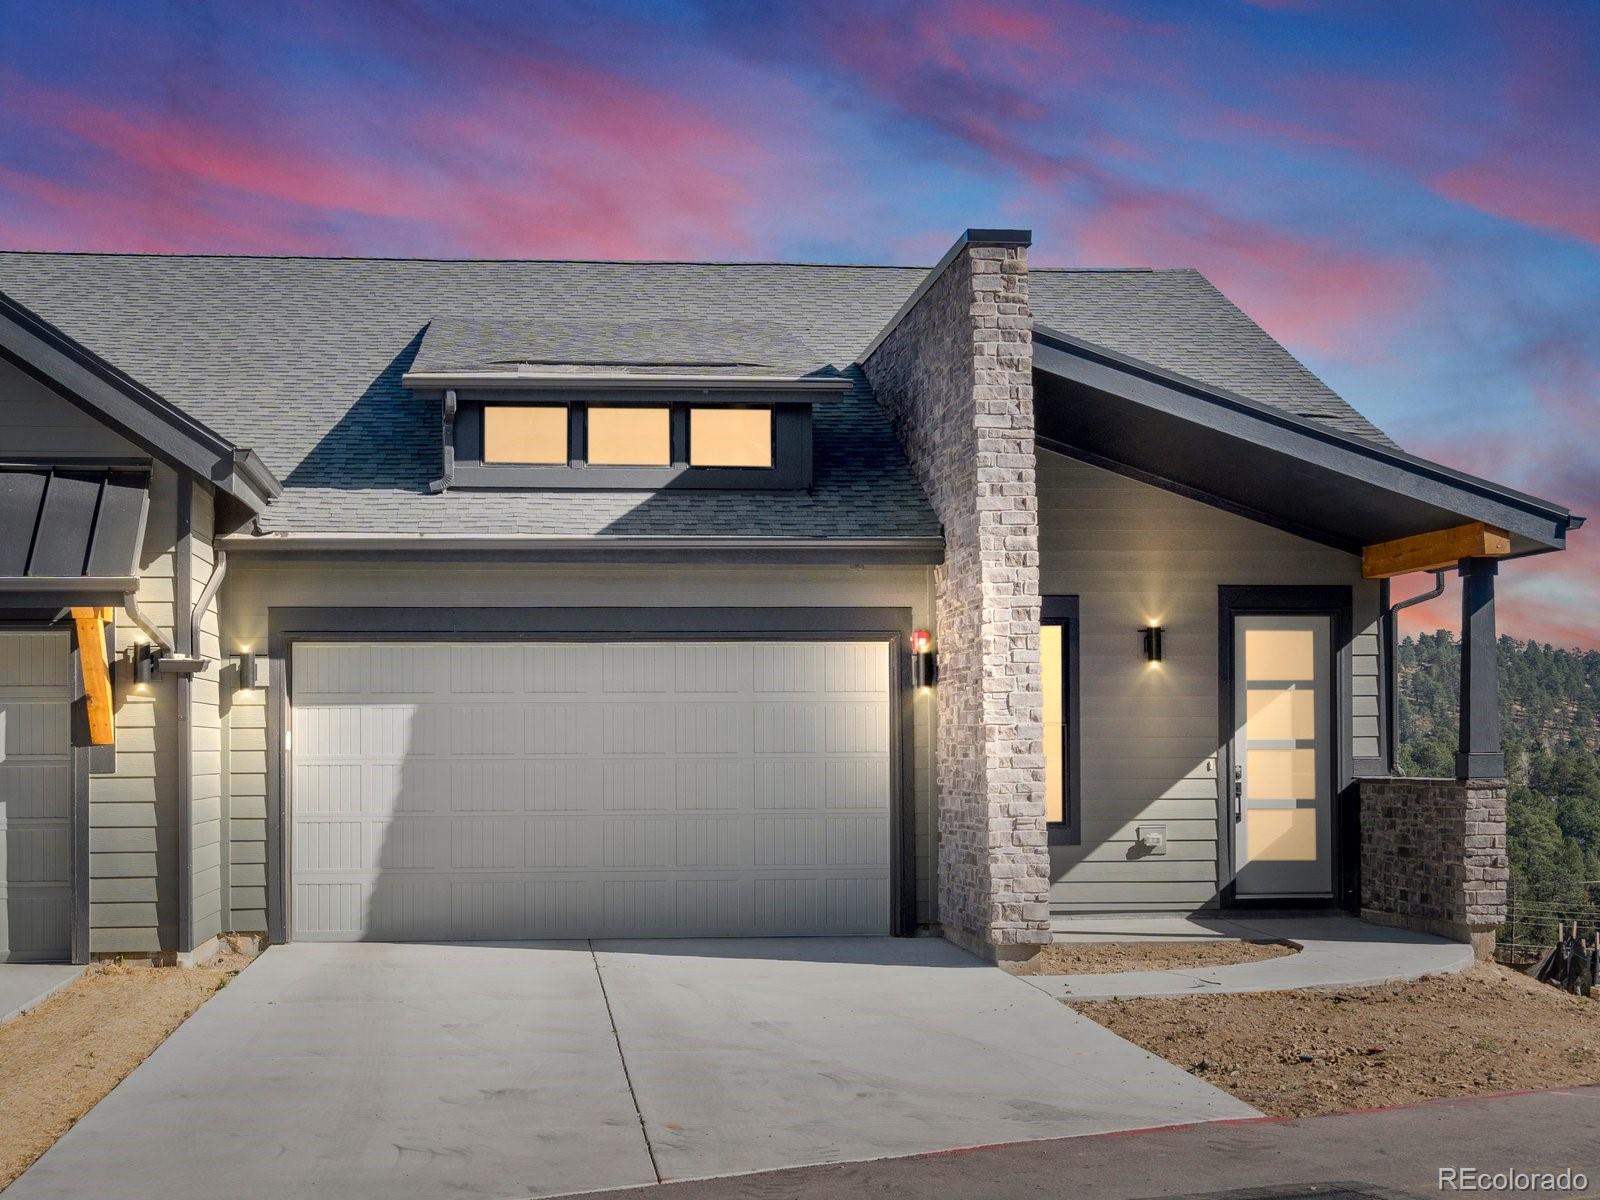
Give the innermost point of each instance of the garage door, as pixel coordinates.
(471, 791)
(35, 798)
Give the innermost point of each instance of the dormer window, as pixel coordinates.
(647, 404)
(730, 437)
(637, 436)
(530, 435)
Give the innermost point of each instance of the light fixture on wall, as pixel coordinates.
(1151, 635)
(247, 671)
(923, 668)
(145, 656)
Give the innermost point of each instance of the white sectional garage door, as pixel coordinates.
(473, 791)
(35, 798)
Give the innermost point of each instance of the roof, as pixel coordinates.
(1216, 445)
(68, 525)
(301, 359)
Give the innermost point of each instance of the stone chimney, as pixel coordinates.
(954, 371)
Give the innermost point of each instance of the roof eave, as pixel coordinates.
(1542, 524)
(131, 409)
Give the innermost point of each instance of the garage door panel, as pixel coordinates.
(32, 791)
(724, 728)
(715, 784)
(638, 669)
(559, 729)
(565, 785)
(703, 669)
(640, 801)
(638, 728)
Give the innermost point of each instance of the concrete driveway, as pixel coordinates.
(399, 1071)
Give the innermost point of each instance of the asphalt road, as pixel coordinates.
(1396, 1151)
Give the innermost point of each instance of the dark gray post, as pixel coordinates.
(1479, 755)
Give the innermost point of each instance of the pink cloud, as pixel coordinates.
(1304, 290)
(1505, 188)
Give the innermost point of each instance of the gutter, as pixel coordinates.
(219, 572)
(538, 380)
(603, 548)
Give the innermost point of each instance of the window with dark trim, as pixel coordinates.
(1058, 660)
(616, 441)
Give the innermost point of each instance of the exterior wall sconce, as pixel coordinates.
(247, 671)
(924, 670)
(145, 655)
(1152, 642)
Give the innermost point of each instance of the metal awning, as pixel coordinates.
(70, 530)
(1262, 462)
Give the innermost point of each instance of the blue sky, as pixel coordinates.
(1408, 195)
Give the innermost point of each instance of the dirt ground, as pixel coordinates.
(1102, 958)
(57, 1061)
(1298, 1053)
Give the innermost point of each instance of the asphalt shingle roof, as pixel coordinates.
(301, 360)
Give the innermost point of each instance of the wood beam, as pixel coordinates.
(1434, 551)
(91, 623)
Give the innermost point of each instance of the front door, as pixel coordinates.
(1282, 786)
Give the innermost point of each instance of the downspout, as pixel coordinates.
(449, 418)
(1391, 651)
(130, 605)
(219, 571)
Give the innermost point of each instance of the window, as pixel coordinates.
(730, 437)
(630, 437)
(514, 433)
(1058, 661)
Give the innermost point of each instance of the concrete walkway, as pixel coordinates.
(27, 985)
(400, 1072)
(1336, 951)
(1385, 1152)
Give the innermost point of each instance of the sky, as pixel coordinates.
(1406, 194)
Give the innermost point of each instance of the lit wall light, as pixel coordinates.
(923, 668)
(246, 663)
(144, 663)
(1151, 635)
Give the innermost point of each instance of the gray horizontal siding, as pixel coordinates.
(1134, 553)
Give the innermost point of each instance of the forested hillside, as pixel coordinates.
(1550, 709)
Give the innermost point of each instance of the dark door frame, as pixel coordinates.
(80, 764)
(1334, 601)
(287, 626)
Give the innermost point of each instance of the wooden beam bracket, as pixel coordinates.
(91, 625)
(1434, 551)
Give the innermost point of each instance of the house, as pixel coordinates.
(450, 600)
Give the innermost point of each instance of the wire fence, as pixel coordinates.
(1533, 925)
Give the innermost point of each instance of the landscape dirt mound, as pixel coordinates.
(1102, 958)
(1298, 1053)
(60, 1059)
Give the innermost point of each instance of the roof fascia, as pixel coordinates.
(317, 547)
(127, 406)
(1144, 383)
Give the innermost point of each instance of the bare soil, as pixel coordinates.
(1488, 1029)
(60, 1059)
(1103, 958)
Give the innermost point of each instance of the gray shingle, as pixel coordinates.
(301, 360)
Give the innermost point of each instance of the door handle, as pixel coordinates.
(1238, 793)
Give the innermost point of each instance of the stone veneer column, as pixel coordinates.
(1433, 856)
(954, 371)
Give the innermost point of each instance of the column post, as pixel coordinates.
(1479, 754)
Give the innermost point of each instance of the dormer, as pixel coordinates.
(610, 406)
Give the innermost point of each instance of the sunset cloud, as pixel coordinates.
(1408, 197)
